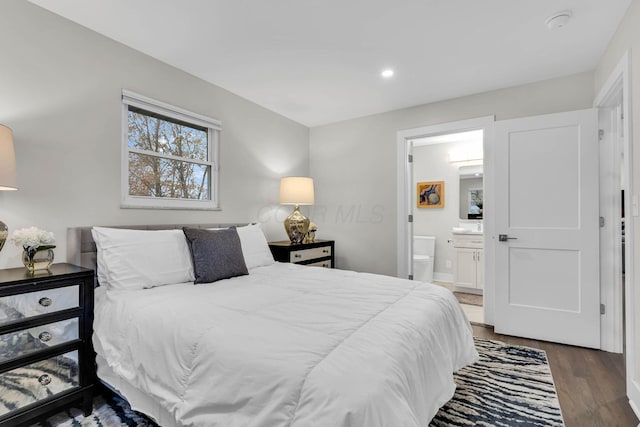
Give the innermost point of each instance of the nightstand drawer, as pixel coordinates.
(325, 264)
(40, 302)
(32, 383)
(312, 253)
(26, 341)
(319, 253)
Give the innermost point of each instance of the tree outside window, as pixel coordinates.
(168, 159)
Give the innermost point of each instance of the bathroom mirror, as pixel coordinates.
(471, 192)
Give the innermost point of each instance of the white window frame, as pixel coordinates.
(214, 128)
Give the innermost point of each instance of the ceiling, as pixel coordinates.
(319, 61)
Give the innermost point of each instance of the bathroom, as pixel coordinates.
(448, 238)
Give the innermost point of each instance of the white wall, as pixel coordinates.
(354, 162)
(627, 38)
(61, 86)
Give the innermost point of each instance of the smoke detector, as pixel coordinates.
(558, 20)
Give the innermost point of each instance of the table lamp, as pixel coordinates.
(296, 190)
(7, 172)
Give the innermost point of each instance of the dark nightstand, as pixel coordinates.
(46, 357)
(319, 253)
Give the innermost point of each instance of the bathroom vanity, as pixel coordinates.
(468, 260)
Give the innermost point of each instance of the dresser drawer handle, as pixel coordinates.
(325, 251)
(45, 301)
(45, 336)
(325, 265)
(297, 256)
(44, 379)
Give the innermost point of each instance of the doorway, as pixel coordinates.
(448, 215)
(619, 207)
(447, 155)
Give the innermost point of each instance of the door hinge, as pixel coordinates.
(601, 222)
(600, 134)
(410, 158)
(410, 277)
(602, 309)
(410, 218)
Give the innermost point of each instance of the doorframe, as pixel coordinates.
(620, 81)
(404, 193)
(610, 174)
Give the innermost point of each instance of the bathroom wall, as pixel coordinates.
(431, 163)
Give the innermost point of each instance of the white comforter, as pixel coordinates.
(289, 346)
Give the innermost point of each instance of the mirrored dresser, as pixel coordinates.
(46, 358)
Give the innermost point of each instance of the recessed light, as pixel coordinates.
(388, 73)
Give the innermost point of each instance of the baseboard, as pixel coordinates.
(635, 409)
(443, 277)
(468, 290)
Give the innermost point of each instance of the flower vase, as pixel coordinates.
(39, 258)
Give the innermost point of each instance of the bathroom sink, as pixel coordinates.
(460, 230)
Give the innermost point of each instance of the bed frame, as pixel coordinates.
(81, 249)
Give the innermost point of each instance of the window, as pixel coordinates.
(169, 156)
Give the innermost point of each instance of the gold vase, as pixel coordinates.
(296, 226)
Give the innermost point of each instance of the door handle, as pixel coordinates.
(504, 238)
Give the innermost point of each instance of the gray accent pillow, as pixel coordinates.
(216, 254)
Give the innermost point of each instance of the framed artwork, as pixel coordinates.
(431, 194)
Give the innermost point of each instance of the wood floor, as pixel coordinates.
(590, 383)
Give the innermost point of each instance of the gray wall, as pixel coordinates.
(354, 162)
(61, 86)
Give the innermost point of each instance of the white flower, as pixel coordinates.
(33, 237)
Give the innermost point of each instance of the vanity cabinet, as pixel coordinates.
(468, 261)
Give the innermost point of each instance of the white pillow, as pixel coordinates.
(254, 246)
(137, 259)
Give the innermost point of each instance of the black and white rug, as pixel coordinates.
(509, 386)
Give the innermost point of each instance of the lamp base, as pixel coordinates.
(4, 234)
(296, 225)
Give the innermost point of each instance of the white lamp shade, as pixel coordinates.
(296, 190)
(7, 160)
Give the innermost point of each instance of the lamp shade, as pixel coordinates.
(296, 190)
(7, 160)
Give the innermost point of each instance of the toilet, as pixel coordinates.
(424, 249)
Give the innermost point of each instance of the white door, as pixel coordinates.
(547, 265)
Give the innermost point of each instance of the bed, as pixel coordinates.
(284, 345)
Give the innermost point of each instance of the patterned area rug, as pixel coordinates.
(471, 299)
(509, 386)
(109, 411)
